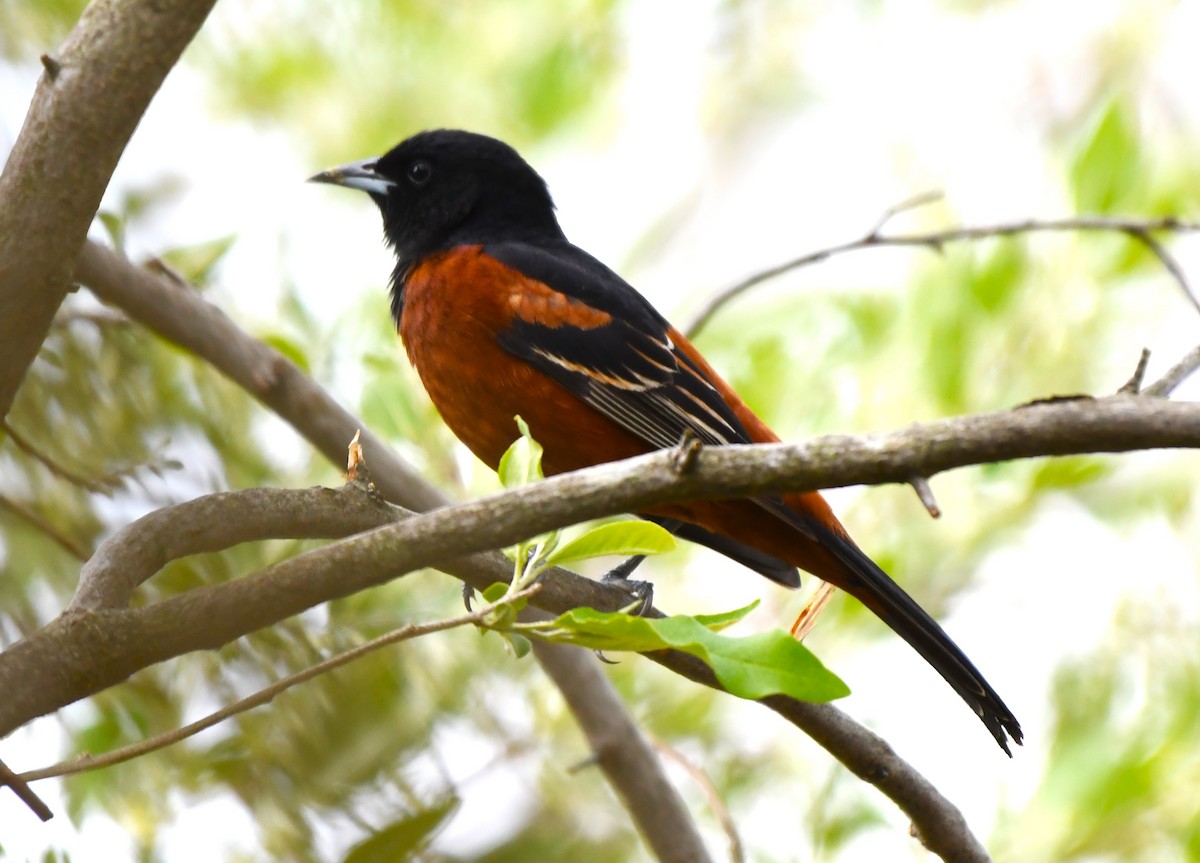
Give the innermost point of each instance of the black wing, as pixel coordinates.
(631, 371)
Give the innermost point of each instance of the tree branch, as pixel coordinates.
(1142, 230)
(1175, 375)
(86, 106)
(184, 317)
(85, 651)
(68, 544)
(737, 851)
(621, 749)
(216, 522)
(1118, 423)
(937, 822)
(181, 315)
(100, 486)
(45, 276)
(265, 695)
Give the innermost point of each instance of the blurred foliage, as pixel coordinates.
(408, 70)
(378, 760)
(403, 838)
(1125, 753)
(30, 27)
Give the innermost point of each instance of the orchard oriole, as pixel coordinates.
(501, 315)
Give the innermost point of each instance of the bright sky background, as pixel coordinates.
(908, 100)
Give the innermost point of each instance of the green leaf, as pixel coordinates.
(1107, 170)
(195, 263)
(1070, 472)
(723, 619)
(998, 277)
(770, 663)
(114, 225)
(520, 644)
(290, 349)
(621, 538)
(521, 464)
(750, 667)
(495, 592)
(401, 838)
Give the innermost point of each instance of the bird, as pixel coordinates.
(501, 315)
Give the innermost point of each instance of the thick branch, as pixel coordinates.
(1059, 427)
(181, 315)
(81, 653)
(84, 653)
(85, 108)
(216, 522)
(621, 749)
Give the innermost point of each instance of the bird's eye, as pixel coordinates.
(420, 172)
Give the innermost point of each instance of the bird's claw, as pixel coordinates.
(600, 655)
(642, 591)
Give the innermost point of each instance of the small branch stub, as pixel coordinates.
(52, 67)
(1133, 386)
(685, 455)
(925, 493)
(356, 463)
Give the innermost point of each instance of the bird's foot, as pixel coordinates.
(642, 591)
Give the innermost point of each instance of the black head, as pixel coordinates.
(447, 188)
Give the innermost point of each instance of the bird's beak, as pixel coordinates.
(356, 175)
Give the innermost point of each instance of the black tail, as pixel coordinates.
(876, 590)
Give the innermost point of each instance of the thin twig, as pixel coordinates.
(1141, 230)
(21, 788)
(266, 694)
(1170, 264)
(737, 851)
(52, 66)
(687, 451)
(53, 465)
(356, 463)
(69, 545)
(1175, 375)
(918, 200)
